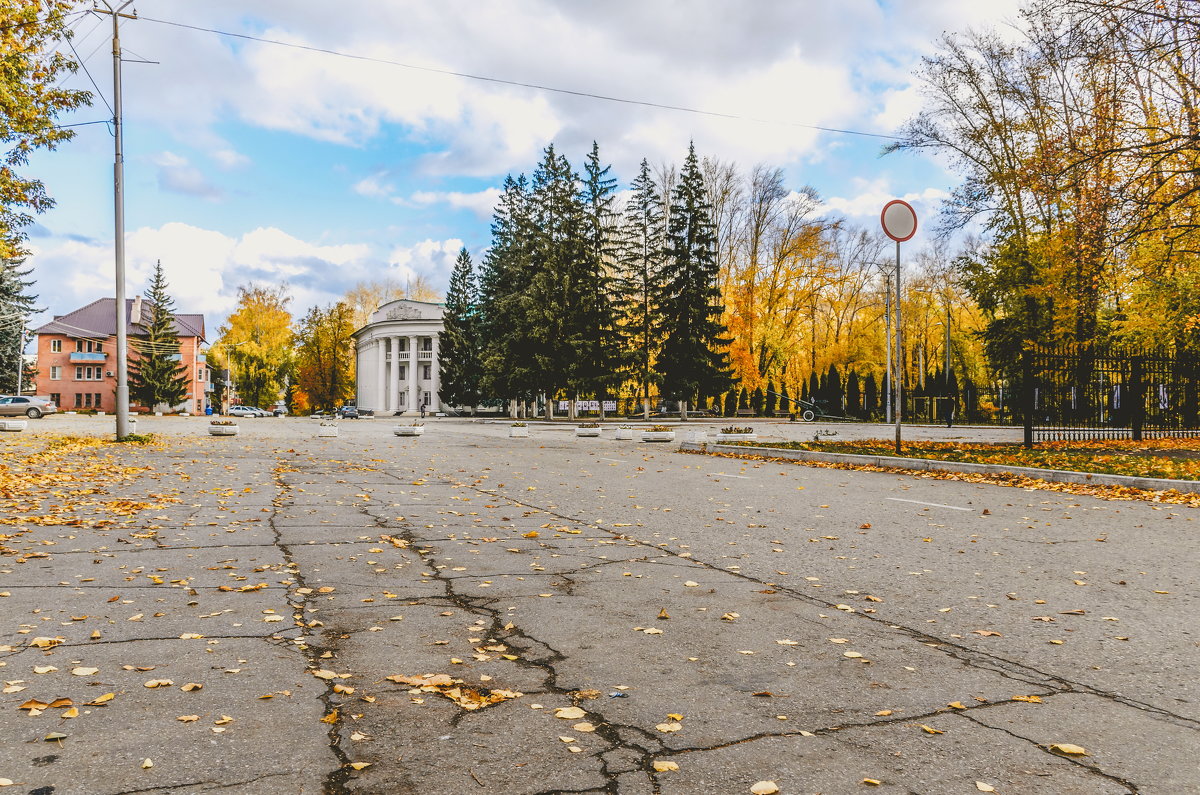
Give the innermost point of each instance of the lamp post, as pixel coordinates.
(899, 221)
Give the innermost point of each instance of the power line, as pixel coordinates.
(518, 83)
(89, 77)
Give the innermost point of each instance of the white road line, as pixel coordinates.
(723, 475)
(934, 504)
(614, 460)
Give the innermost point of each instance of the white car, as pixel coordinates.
(245, 411)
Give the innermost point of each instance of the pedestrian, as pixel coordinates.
(423, 407)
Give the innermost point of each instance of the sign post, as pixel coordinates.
(899, 222)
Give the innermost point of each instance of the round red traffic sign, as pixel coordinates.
(899, 220)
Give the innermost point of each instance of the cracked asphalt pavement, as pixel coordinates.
(562, 615)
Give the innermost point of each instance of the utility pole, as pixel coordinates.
(119, 217)
(20, 354)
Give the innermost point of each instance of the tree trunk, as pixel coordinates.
(683, 411)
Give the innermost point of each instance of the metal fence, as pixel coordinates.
(1086, 392)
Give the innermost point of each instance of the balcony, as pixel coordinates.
(78, 356)
(425, 356)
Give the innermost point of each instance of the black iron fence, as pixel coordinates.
(1087, 392)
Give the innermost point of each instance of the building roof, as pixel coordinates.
(98, 319)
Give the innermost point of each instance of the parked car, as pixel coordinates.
(280, 412)
(348, 413)
(27, 405)
(243, 411)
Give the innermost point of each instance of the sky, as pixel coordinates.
(352, 156)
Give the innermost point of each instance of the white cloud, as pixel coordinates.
(433, 259)
(482, 203)
(178, 175)
(866, 205)
(373, 187)
(816, 63)
(230, 159)
(204, 268)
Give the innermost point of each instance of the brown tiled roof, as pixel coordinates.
(98, 319)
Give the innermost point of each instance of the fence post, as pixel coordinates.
(1027, 388)
(1137, 395)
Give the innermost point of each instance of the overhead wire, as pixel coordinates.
(517, 83)
(83, 64)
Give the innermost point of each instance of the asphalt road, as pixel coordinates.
(822, 629)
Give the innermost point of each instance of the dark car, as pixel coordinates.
(348, 413)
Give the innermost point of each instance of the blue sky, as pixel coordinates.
(254, 162)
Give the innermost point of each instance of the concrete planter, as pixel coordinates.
(13, 425)
(624, 434)
(327, 431)
(587, 431)
(518, 433)
(408, 430)
(736, 437)
(658, 436)
(223, 430)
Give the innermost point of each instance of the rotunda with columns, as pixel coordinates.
(397, 358)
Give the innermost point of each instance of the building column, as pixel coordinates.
(414, 390)
(380, 371)
(394, 376)
(436, 382)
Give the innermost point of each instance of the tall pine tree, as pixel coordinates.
(156, 374)
(693, 361)
(16, 307)
(600, 365)
(560, 275)
(458, 344)
(507, 334)
(639, 286)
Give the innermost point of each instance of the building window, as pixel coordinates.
(78, 400)
(99, 347)
(87, 400)
(79, 346)
(55, 373)
(403, 372)
(96, 401)
(427, 344)
(56, 346)
(426, 372)
(78, 373)
(56, 398)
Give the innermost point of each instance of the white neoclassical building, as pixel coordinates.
(397, 358)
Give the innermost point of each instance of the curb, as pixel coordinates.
(930, 465)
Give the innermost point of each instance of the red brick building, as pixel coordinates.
(76, 355)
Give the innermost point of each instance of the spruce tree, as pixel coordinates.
(757, 401)
(16, 307)
(559, 269)
(599, 367)
(772, 399)
(870, 396)
(507, 333)
(693, 360)
(156, 374)
(853, 395)
(458, 345)
(639, 286)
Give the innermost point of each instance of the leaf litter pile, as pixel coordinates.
(1173, 459)
(66, 481)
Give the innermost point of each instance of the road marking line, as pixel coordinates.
(934, 504)
(723, 475)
